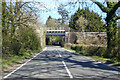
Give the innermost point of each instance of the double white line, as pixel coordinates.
(68, 71)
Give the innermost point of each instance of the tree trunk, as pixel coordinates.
(119, 43)
(111, 38)
(108, 45)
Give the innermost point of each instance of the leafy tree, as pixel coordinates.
(58, 39)
(119, 42)
(63, 12)
(19, 31)
(111, 29)
(111, 26)
(49, 17)
(51, 22)
(92, 21)
(81, 23)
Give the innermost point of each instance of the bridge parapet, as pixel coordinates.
(57, 30)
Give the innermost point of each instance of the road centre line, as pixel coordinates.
(60, 55)
(22, 65)
(68, 71)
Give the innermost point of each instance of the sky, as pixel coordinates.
(52, 5)
(49, 8)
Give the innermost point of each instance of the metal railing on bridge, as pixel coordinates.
(56, 30)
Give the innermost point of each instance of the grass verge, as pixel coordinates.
(9, 60)
(69, 49)
(98, 58)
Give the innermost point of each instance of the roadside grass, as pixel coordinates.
(12, 59)
(69, 49)
(9, 60)
(99, 58)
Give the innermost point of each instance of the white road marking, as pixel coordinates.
(60, 55)
(22, 65)
(17, 68)
(68, 71)
(96, 61)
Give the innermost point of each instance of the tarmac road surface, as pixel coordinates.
(56, 62)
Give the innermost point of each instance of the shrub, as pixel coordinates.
(73, 47)
(24, 54)
(92, 49)
(101, 51)
(95, 51)
(68, 45)
(79, 48)
(28, 39)
(89, 50)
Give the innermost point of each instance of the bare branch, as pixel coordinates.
(113, 11)
(118, 18)
(104, 9)
(115, 8)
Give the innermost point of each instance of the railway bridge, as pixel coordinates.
(59, 31)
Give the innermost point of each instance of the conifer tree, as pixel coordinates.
(95, 23)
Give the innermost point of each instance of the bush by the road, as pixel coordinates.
(93, 50)
(90, 50)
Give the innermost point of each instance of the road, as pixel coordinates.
(56, 62)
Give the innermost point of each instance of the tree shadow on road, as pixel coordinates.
(49, 64)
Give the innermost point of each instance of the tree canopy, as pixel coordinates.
(92, 21)
(110, 26)
(19, 28)
(63, 12)
(51, 22)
